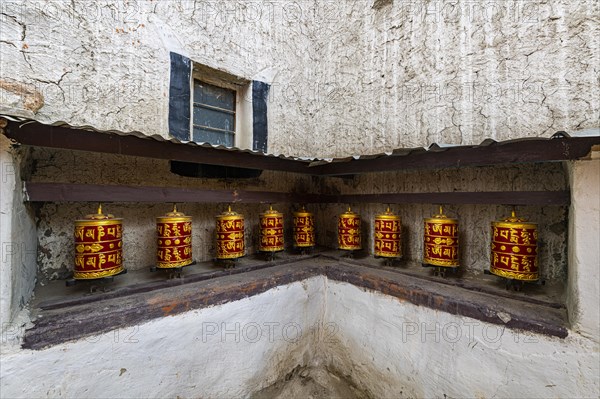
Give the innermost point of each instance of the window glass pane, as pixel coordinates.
(214, 96)
(212, 137)
(211, 118)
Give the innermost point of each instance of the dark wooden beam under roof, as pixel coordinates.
(559, 198)
(61, 192)
(510, 152)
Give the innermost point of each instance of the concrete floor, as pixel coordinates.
(311, 383)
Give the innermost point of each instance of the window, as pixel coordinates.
(213, 106)
(214, 114)
(221, 109)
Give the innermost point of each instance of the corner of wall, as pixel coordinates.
(18, 240)
(583, 287)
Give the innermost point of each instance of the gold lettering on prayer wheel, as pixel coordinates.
(174, 240)
(271, 231)
(230, 235)
(441, 241)
(98, 246)
(514, 249)
(349, 231)
(304, 229)
(388, 235)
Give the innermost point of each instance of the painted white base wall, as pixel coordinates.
(209, 353)
(390, 348)
(395, 349)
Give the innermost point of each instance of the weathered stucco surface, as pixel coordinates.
(224, 351)
(346, 77)
(396, 349)
(386, 347)
(417, 72)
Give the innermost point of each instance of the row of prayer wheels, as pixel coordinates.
(99, 245)
(99, 240)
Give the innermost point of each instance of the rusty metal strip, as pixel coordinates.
(512, 152)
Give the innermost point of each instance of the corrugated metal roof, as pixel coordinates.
(155, 137)
(313, 162)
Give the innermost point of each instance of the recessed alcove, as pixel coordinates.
(481, 107)
(368, 324)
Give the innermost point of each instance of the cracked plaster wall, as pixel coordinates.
(409, 74)
(346, 77)
(106, 63)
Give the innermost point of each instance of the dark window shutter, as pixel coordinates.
(260, 93)
(180, 97)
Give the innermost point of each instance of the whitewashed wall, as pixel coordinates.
(584, 247)
(346, 77)
(18, 237)
(389, 348)
(394, 349)
(226, 351)
(412, 73)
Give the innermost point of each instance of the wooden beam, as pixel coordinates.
(62, 192)
(149, 301)
(561, 198)
(518, 151)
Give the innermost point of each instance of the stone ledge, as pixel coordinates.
(513, 313)
(59, 325)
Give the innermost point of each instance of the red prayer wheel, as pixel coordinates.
(230, 235)
(98, 246)
(271, 231)
(514, 249)
(388, 235)
(349, 231)
(441, 241)
(174, 247)
(304, 229)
